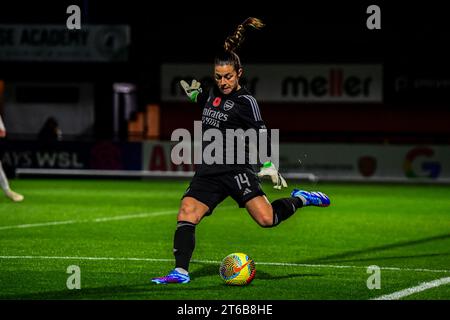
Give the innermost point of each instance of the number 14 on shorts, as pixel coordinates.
(242, 179)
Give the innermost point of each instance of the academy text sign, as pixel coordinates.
(99, 43)
(287, 83)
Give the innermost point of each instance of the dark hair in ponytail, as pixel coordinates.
(228, 55)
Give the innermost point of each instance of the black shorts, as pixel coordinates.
(212, 190)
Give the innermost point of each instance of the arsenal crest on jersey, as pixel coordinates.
(228, 105)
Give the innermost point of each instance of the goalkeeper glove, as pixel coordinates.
(268, 169)
(193, 90)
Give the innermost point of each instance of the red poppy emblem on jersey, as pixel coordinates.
(217, 101)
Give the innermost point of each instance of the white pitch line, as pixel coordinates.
(42, 224)
(409, 291)
(104, 219)
(279, 264)
(355, 267)
(86, 258)
(133, 216)
(111, 218)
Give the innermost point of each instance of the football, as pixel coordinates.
(237, 269)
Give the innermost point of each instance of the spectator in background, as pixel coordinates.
(14, 196)
(50, 131)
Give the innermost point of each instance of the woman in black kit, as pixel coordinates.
(228, 105)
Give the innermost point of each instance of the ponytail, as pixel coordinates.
(233, 42)
(228, 55)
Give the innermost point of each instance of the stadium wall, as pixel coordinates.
(333, 162)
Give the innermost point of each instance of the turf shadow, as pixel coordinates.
(146, 291)
(213, 270)
(205, 271)
(261, 275)
(84, 293)
(351, 253)
(393, 257)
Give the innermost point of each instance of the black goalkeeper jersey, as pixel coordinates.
(238, 110)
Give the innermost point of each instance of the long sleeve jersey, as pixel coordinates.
(238, 110)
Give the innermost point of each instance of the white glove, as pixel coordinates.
(192, 90)
(268, 169)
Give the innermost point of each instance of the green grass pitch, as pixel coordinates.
(120, 234)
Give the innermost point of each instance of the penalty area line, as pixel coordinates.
(409, 291)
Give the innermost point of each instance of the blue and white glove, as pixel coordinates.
(268, 169)
(192, 90)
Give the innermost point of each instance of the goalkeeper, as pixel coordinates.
(228, 105)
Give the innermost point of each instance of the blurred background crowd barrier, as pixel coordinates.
(350, 103)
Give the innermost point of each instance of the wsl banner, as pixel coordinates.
(100, 155)
(367, 162)
(340, 162)
(359, 83)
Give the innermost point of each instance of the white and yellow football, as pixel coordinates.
(237, 269)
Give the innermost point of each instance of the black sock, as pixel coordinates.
(284, 208)
(184, 244)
